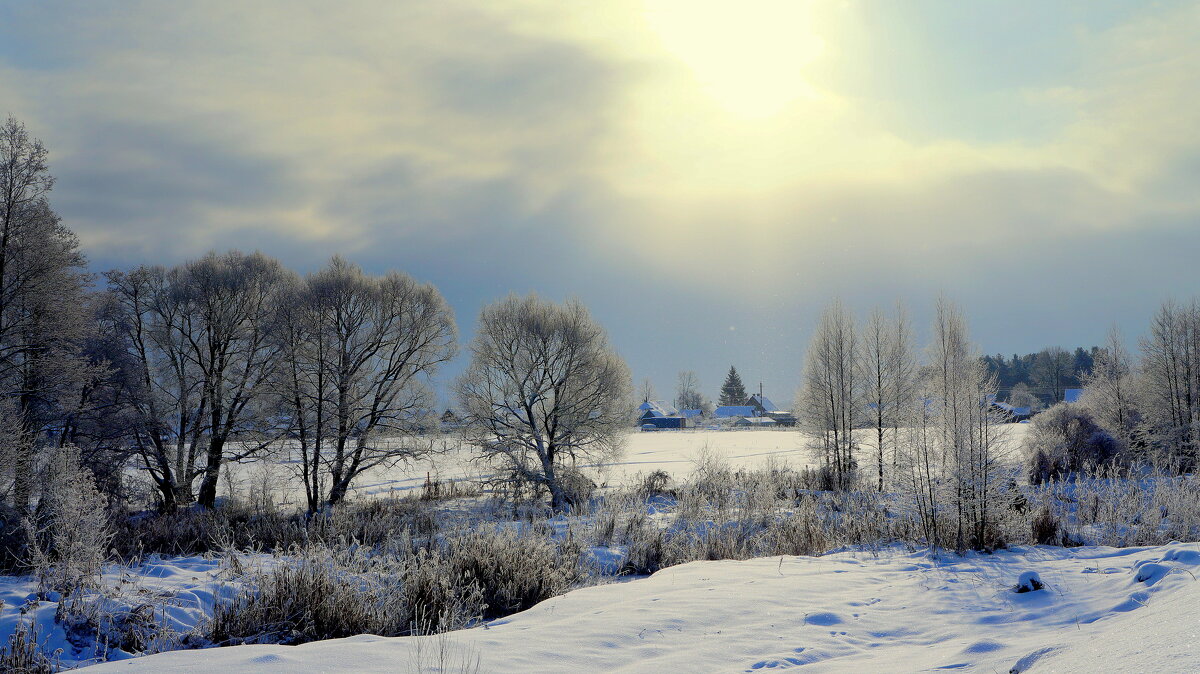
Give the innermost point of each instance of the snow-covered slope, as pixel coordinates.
(1102, 609)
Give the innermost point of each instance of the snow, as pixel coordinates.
(657, 408)
(673, 451)
(855, 610)
(181, 589)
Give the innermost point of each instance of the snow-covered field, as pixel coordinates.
(1102, 609)
(675, 452)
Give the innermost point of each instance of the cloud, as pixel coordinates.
(629, 148)
(178, 128)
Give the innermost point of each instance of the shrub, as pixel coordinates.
(655, 484)
(1066, 440)
(68, 534)
(406, 588)
(23, 653)
(513, 569)
(1045, 527)
(577, 488)
(318, 596)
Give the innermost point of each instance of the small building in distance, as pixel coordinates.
(754, 422)
(1012, 414)
(657, 414)
(734, 411)
(763, 407)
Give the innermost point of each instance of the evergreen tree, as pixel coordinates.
(732, 391)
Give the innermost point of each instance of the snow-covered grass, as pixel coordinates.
(887, 610)
(155, 605)
(726, 531)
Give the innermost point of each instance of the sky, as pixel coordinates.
(705, 176)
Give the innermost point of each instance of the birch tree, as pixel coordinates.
(971, 437)
(1110, 390)
(829, 404)
(889, 370)
(1171, 381)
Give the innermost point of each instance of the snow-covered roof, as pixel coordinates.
(657, 408)
(1072, 395)
(726, 411)
(1016, 411)
(764, 402)
(756, 421)
(691, 413)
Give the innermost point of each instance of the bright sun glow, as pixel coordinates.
(747, 56)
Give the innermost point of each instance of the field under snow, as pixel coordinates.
(1102, 609)
(675, 452)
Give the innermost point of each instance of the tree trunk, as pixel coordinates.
(212, 472)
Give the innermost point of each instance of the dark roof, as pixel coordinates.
(763, 402)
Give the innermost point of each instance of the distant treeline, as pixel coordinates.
(1045, 374)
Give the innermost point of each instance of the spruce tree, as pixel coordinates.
(732, 391)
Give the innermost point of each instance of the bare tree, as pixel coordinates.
(646, 390)
(159, 386)
(889, 370)
(229, 305)
(1054, 365)
(829, 404)
(42, 317)
(1110, 390)
(1171, 381)
(920, 470)
(687, 391)
(971, 438)
(543, 389)
(357, 350)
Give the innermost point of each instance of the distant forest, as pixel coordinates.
(1039, 379)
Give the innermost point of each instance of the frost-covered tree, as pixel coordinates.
(1171, 382)
(971, 439)
(198, 339)
(889, 371)
(732, 391)
(829, 404)
(230, 303)
(42, 317)
(687, 391)
(1022, 396)
(1110, 391)
(157, 388)
(356, 351)
(544, 388)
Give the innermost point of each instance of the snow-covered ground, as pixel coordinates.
(180, 592)
(1102, 609)
(675, 452)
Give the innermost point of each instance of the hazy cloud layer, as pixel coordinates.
(705, 175)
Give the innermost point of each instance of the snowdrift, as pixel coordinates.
(1134, 609)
